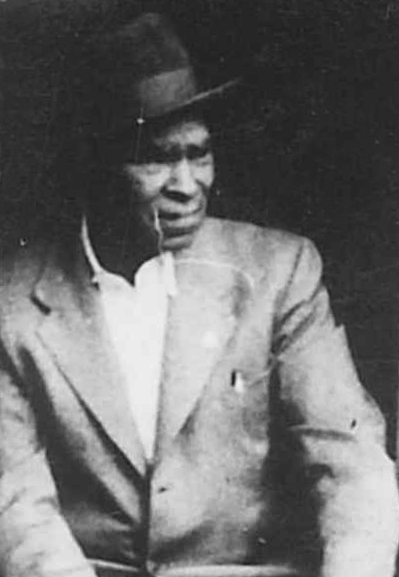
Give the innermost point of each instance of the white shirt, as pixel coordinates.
(136, 320)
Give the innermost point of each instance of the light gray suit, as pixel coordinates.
(268, 449)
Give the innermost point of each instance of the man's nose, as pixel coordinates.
(182, 180)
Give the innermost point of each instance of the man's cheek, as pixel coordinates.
(207, 178)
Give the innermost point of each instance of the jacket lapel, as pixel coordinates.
(202, 320)
(74, 333)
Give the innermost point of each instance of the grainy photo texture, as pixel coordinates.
(198, 288)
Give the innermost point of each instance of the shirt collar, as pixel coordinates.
(165, 259)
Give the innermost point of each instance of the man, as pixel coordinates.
(175, 395)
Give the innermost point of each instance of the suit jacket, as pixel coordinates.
(268, 449)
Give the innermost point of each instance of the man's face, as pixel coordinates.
(170, 178)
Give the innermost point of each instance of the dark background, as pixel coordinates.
(312, 144)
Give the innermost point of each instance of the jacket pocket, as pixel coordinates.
(251, 393)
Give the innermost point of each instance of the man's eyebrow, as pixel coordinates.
(174, 146)
(197, 150)
(157, 151)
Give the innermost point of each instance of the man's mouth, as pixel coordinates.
(174, 230)
(175, 216)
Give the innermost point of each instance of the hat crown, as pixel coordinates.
(146, 47)
(138, 72)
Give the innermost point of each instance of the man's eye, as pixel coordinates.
(150, 155)
(199, 154)
(147, 162)
(148, 159)
(157, 156)
(202, 159)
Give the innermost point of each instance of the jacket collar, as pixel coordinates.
(213, 293)
(74, 333)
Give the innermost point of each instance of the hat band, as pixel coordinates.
(164, 92)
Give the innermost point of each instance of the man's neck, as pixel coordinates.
(121, 248)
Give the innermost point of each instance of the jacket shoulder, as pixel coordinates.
(253, 247)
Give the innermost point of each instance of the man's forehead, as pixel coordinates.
(176, 137)
(182, 133)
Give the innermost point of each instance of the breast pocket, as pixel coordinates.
(251, 392)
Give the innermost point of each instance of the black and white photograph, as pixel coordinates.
(199, 288)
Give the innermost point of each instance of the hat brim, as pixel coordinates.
(117, 142)
(202, 98)
(201, 104)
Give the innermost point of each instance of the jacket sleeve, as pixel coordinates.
(35, 540)
(336, 431)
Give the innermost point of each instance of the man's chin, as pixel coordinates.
(177, 243)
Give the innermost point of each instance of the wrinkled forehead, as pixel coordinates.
(182, 134)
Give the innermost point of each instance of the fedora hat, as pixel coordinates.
(141, 73)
